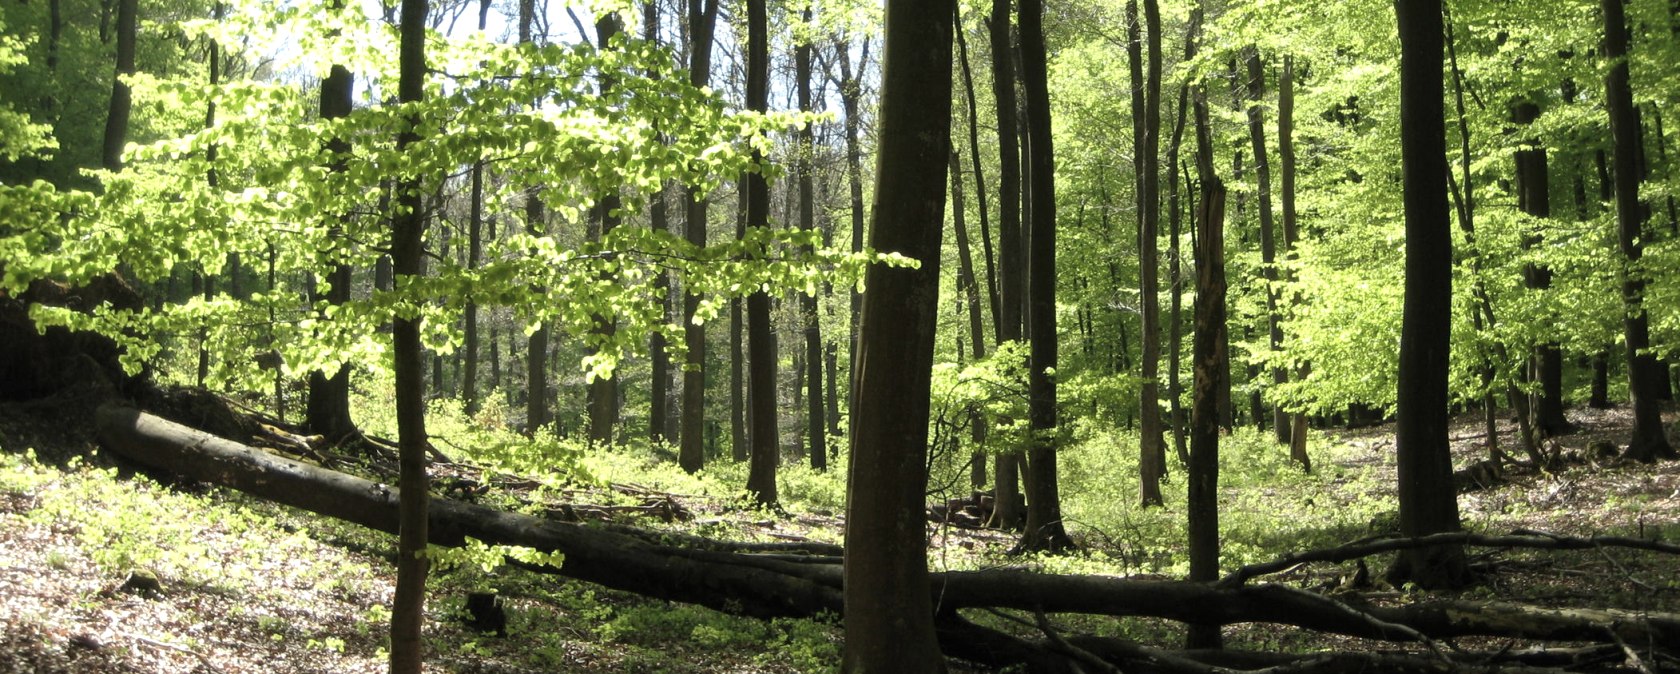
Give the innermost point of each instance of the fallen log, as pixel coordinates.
(780, 582)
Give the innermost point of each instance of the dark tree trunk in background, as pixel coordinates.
(888, 605)
(851, 97)
(969, 290)
(1044, 502)
(603, 391)
(1268, 244)
(1646, 375)
(740, 414)
(979, 173)
(537, 414)
(1011, 284)
(327, 410)
(1291, 231)
(1210, 362)
(1145, 101)
(761, 385)
(816, 424)
(407, 237)
(1534, 198)
(691, 454)
(116, 118)
(475, 253)
(659, 358)
(1428, 503)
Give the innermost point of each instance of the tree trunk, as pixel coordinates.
(1534, 198)
(1424, 459)
(816, 424)
(1044, 503)
(1152, 464)
(659, 357)
(116, 118)
(537, 411)
(979, 173)
(740, 414)
(1210, 364)
(691, 454)
(327, 410)
(969, 290)
(1291, 232)
(1010, 260)
(1646, 376)
(408, 232)
(888, 606)
(761, 475)
(1268, 246)
(603, 391)
(851, 95)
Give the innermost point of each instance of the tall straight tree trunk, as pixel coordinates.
(1534, 198)
(691, 452)
(979, 171)
(603, 391)
(1044, 503)
(888, 603)
(851, 100)
(537, 411)
(761, 385)
(116, 117)
(1428, 504)
(1175, 260)
(659, 358)
(816, 424)
(969, 289)
(475, 253)
(407, 237)
(1011, 286)
(1291, 231)
(1646, 375)
(1268, 244)
(1152, 466)
(1211, 358)
(739, 412)
(327, 410)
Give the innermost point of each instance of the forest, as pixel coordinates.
(1179, 336)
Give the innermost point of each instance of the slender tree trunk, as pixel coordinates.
(1044, 504)
(740, 413)
(407, 236)
(1534, 198)
(603, 391)
(851, 95)
(761, 475)
(475, 253)
(968, 288)
(1646, 375)
(1424, 458)
(979, 172)
(1291, 232)
(816, 424)
(888, 605)
(1268, 246)
(659, 357)
(1007, 513)
(1146, 129)
(116, 118)
(1210, 365)
(537, 414)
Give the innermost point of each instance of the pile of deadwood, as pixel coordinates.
(803, 579)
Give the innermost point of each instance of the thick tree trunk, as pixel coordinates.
(1646, 375)
(691, 453)
(327, 409)
(1210, 360)
(765, 454)
(1044, 502)
(888, 607)
(1011, 284)
(116, 116)
(408, 232)
(1533, 183)
(1425, 464)
(603, 391)
(802, 579)
(537, 411)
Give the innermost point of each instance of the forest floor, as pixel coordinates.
(245, 586)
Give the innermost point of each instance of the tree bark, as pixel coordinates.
(1210, 365)
(979, 173)
(659, 356)
(1268, 246)
(968, 288)
(116, 117)
(761, 474)
(816, 423)
(408, 232)
(691, 454)
(1152, 464)
(537, 411)
(327, 409)
(1291, 232)
(1427, 505)
(1010, 260)
(1044, 529)
(888, 606)
(803, 580)
(1646, 376)
(603, 391)
(1534, 198)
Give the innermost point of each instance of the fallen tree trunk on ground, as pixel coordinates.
(780, 582)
